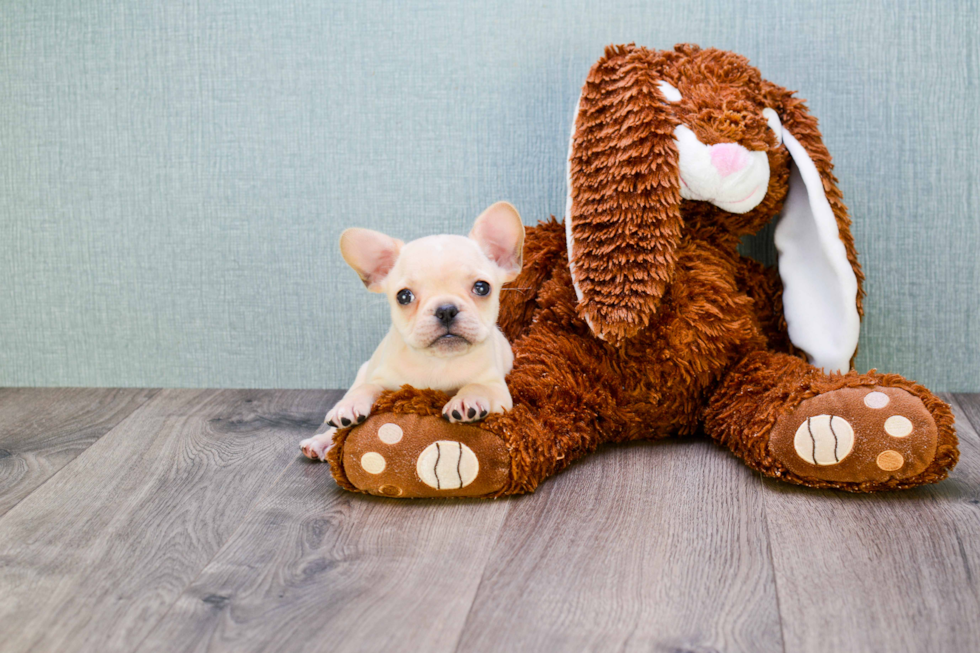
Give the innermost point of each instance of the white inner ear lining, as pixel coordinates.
(670, 93)
(819, 284)
(568, 205)
(774, 123)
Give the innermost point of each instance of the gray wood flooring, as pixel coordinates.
(186, 520)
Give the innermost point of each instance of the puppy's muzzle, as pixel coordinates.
(446, 314)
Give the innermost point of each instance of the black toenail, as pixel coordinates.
(457, 415)
(483, 413)
(472, 413)
(361, 418)
(330, 423)
(345, 421)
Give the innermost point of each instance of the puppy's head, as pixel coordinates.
(444, 291)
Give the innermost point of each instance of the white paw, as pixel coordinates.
(349, 411)
(316, 448)
(470, 407)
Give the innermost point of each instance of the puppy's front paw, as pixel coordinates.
(349, 411)
(316, 447)
(467, 407)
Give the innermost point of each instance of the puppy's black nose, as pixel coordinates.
(446, 313)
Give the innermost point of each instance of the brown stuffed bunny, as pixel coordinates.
(637, 318)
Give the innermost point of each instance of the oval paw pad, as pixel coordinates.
(898, 426)
(447, 465)
(373, 462)
(390, 433)
(824, 440)
(890, 460)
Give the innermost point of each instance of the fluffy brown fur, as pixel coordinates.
(675, 332)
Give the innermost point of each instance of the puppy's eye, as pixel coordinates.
(405, 296)
(481, 288)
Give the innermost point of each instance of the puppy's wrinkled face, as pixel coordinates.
(444, 290)
(444, 294)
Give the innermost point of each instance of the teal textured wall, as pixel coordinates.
(174, 175)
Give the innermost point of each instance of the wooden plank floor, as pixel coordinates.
(185, 520)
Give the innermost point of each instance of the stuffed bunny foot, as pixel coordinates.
(857, 432)
(412, 456)
(857, 435)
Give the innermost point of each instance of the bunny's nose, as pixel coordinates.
(446, 313)
(728, 158)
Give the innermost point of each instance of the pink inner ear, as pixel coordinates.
(500, 254)
(370, 253)
(500, 234)
(383, 260)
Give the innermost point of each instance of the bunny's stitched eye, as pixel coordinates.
(481, 288)
(405, 296)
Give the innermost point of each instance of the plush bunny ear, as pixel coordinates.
(817, 261)
(623, 221)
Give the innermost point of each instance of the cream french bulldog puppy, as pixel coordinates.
(444, 293)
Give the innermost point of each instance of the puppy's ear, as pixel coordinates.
(500, 234)
(372, 255)
(817, 260)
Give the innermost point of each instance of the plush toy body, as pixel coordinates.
(637, 318)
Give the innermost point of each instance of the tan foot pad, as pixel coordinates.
(414, 456)
(855, 435)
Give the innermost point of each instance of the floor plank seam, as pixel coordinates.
(772, 561)
(954, 398)
(483, 572)
(149, 400)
